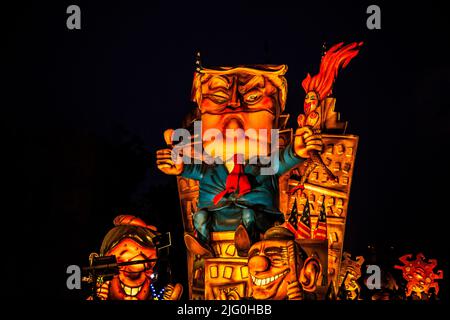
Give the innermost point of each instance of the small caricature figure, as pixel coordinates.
(133, 240)
(349, 275)
(318, 88)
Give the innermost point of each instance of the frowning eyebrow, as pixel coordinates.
(254, 82)
(219, 82)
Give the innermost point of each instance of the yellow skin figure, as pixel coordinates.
(312, 116)
(351, 268)
(352, 287)
(277, 270)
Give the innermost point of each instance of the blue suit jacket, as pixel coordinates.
(264, 193)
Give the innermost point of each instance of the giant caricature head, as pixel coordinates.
(277, 261)
(131, 240)
(245, 97)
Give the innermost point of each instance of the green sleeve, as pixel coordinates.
(193, 171)
(288, 159)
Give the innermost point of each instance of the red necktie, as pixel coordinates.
(236, 180)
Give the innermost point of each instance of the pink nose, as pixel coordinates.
(258, 264)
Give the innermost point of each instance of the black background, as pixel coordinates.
(85, 111)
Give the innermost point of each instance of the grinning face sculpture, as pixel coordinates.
(269, 265)
(239, 98)
(133, 281)
(276, 263)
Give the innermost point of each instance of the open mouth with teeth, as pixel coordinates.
(131, 291)
(265, 282)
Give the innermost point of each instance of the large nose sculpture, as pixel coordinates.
(133, 271)
(234, 99)
(259, 264)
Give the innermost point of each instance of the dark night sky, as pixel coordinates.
(86, 110)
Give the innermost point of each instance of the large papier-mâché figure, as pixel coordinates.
(233, 190)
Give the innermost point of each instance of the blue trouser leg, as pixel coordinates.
(201, 222)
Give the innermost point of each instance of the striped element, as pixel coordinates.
(299, 226)
(304, 224)
(320, 232)
(293, 217)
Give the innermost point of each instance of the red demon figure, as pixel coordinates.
(320, 86)
(419, 274)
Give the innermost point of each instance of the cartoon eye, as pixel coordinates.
(276, 262)
(217, 98)
(313, 97)
(252, 97)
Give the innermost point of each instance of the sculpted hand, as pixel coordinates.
(164, 160)
(294, 291)
(305, 141)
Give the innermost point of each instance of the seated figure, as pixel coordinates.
(234, 190)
